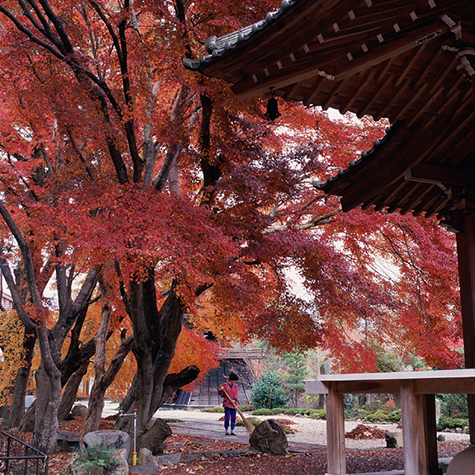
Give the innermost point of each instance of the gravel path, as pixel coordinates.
(307, 430)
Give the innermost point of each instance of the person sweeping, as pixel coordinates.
(230, 393)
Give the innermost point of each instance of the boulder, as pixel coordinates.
(394, 440)
(79, 411)
(115, 439)
(269, 437)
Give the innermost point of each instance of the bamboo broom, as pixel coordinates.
(247, 424)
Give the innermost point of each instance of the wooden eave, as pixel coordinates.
(411, 61)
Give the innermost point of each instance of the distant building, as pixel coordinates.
(7, 301)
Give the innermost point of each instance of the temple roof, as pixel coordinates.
(409, 61)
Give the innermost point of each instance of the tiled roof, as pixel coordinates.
(365, 156)
(219, 46)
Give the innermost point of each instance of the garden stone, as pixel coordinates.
(463, 463)
(269, 437)
(74, 468)
(458, 430)
(166, 459)
(394, 440)
(68, 440)
(122, 455)
(145, 457)
(441, 438)
(438, 410)
(79, 411)
(115, 439)
(444, 463)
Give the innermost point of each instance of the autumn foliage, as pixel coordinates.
(122, 169)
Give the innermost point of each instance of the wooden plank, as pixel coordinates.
(367, 387)
(315, 387)
(400, 376)
(335, 433)
(413, 432)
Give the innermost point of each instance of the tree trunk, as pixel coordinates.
(154, 437)
(48, 396)
(69, 394)
(101, 383)
(17, 408)
(156, 333)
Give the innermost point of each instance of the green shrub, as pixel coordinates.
(268, 391)
(373, 406)
(293, 411)
(268, 412)
(395, 416)
(453, 404)
(320, 414)
(246, 407)
(95, 456)
(350, 403)
(452, 422)
(378, 416)
(213, 409)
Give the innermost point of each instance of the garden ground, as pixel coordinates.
(201, 435)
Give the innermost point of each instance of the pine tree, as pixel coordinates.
(297, 373)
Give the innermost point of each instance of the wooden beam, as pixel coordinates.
(413, 411)
(393, 48)
(335, 433)
(430, 427)
(315, 387)
(367, 387)
(247, 87)
(435, 174)
(466, 263)
(380, 178)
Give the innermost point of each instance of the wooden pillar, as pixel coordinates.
(413, 430)
(466, 264)
(335, 432)
(430, 425)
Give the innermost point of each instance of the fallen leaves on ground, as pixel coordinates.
(187, 444)
(357, 461)
(306, 461)
(362, 431)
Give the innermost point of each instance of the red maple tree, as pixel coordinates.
(120, 168)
